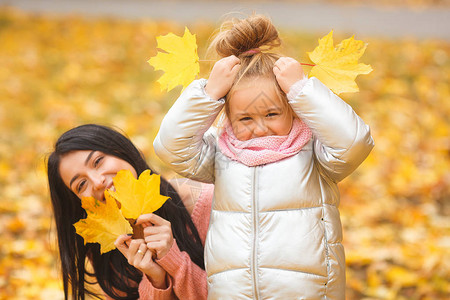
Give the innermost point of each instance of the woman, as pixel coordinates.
(84, 161)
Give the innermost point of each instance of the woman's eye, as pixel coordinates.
(81, 185)
(97, 161)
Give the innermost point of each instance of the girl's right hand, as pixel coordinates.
(287, 72)
(222, 77)
(139, 256)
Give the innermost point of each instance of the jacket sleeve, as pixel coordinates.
(183, 141)
(342, 139)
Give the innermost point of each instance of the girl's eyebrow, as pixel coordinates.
(242, 114)
(85, 163)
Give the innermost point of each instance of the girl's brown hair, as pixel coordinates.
(239, 36)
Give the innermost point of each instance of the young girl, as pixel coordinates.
(275, 231)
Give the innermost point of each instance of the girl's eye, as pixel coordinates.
(245, 119)
(271, 115)
(81, 185)
(97, 161)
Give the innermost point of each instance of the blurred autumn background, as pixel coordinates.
(59, 71)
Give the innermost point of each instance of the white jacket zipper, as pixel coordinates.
(255, 221)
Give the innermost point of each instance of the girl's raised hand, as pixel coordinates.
(157, 233)
(139, 256)
(287, 71)
(222, 77)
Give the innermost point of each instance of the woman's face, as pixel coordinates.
(88, 173)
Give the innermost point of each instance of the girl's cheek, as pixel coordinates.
(238, 131)
(244, 136)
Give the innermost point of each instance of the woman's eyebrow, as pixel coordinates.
(85, 163)
(73, 179)
(89, 157)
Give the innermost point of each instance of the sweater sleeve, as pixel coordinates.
(341, 138)
(184, 141)
(202, 210)
(189, 280)
(148, 292)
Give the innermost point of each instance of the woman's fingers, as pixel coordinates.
(147, 258)
(158, 229)
(161, 246)
(120, 243)
(142, 258)
(139, 254)
(159, 237)
(133, 249)
(152, 219)
(151, 230)
(143, 219)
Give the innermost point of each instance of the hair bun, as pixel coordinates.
(237, 36)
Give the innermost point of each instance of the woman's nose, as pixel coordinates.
(98, 181)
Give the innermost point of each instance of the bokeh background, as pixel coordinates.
(61, 65)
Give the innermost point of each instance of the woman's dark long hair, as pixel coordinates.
(116, 277)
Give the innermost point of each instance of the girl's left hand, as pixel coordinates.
(157, 233)
(287, 71)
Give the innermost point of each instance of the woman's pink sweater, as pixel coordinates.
(186, 279)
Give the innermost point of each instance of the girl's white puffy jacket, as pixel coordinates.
(275, 230)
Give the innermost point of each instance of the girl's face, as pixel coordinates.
(256, 110)
(88, 173)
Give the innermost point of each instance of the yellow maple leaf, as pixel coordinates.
(179, 61)
(104, 222)
(338, 67)
(137, 196)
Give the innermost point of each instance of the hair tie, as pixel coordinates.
(251, 51)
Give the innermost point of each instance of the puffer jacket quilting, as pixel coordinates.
(275, 230)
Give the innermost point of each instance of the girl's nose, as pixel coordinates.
(260, 129)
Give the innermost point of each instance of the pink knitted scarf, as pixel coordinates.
(267, 149)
